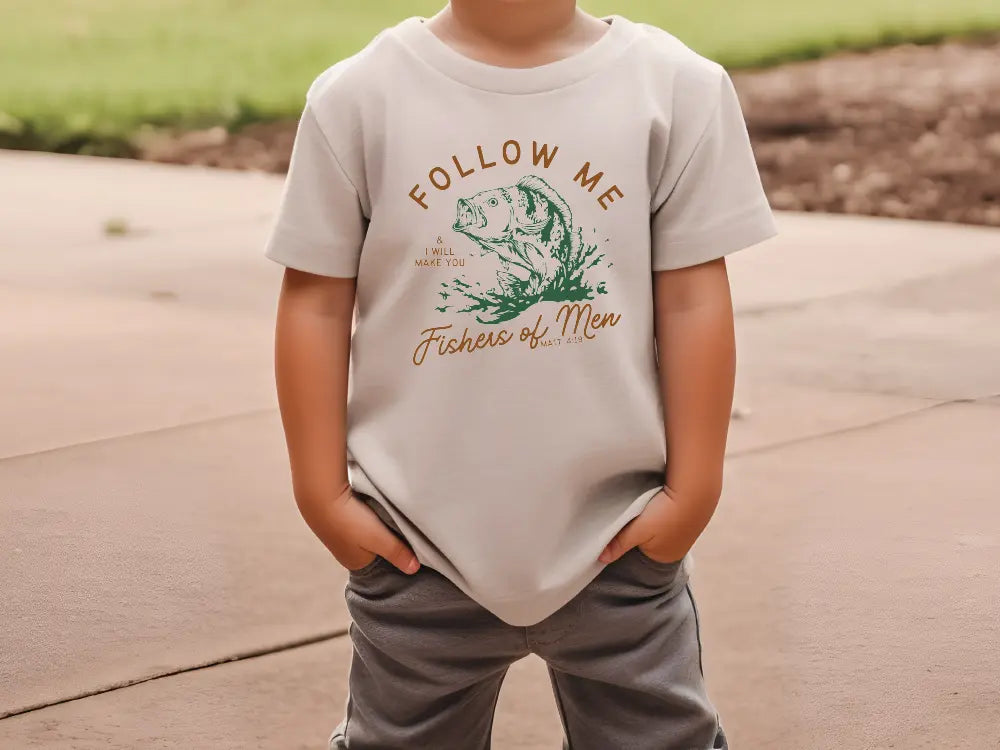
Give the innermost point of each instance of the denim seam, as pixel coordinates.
(496, 697)
(562, 710)
(697, 627)
(349, 709)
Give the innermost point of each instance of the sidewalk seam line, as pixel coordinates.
(794, 305)
(239, 656)
(140, 433)
(978, 401)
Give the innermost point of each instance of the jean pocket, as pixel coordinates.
(659, 564)
(368, 568)
(640, 574)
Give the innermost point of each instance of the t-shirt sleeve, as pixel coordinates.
(320, 225)
(710, 201)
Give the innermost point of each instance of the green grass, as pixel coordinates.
(84, 74)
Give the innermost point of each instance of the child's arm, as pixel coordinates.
(697, 362)
(312, 352)
(707, 203)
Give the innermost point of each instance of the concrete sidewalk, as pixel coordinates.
(160, 590)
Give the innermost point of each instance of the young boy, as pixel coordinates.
(528, 208)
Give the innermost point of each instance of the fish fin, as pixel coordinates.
(522, 249)
(508, 283)
(576, 245)
(533, 228)
(540, 186)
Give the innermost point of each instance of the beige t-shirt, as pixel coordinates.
(504, 225)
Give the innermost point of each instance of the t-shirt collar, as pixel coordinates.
(422, 42)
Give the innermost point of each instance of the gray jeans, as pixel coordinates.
(624, 658)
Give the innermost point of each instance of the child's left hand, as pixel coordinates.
(665, 530)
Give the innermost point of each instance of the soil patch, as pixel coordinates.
(907, 132)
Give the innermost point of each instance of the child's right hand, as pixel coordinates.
(355, 535)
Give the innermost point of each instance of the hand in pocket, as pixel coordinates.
(354, 534)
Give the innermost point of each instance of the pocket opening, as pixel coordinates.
(368, 567)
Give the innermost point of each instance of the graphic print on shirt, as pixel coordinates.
(519, 272)
(542, 256)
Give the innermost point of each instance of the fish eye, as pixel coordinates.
(493, 202)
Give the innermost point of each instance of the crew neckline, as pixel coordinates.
(425, 44)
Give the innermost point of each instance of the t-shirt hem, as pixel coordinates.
(746, 229)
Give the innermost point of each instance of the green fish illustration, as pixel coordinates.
(529, 227)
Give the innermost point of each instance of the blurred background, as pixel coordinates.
(160, 590)
(904, 131)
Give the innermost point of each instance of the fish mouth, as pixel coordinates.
(468, 216)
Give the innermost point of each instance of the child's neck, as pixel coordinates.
(516, 33)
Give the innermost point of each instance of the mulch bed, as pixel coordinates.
(907, 132)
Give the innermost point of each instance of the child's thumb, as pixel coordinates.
(397, 553)
(629, 536)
